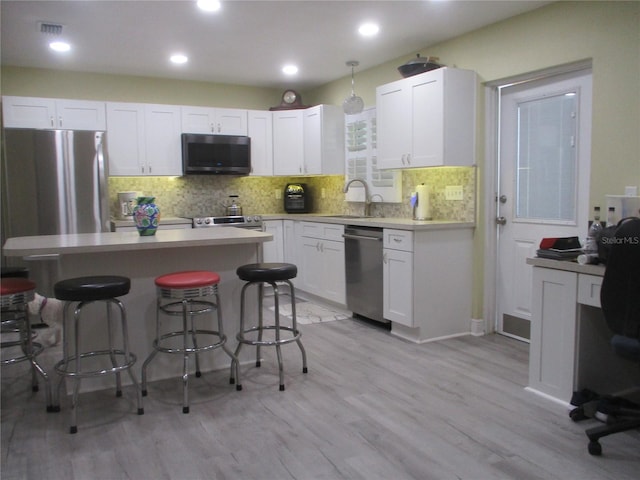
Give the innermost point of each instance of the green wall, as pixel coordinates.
(35, 82)
(608, 33)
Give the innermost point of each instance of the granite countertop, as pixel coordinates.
(567, 266)
(381, 222)
(119, 241)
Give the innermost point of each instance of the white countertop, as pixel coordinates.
(119, 241)
(381, 222)
(567, 266)
(128, 222)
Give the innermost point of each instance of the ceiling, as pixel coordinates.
(245, 43)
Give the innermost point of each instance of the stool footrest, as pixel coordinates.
(37, 349)
(282, 341)
(61, 366)
(197, 307)
(204, 348)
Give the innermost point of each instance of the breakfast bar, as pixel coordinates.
(142, 259)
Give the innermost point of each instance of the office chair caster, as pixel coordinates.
(595, 448)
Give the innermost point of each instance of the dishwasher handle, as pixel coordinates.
(361, 237)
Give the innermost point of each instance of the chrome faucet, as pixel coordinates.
(367, 197)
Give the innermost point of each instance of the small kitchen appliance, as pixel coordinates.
(297, 198)
(126, 202)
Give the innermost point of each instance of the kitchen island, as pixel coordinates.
(142, 259)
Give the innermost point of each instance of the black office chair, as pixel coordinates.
(620, 301)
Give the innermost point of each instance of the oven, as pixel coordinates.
(253, 222)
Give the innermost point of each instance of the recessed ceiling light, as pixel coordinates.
(368, 29)
(209, 5)
(289, 69)
(60, 46)
(179, 58)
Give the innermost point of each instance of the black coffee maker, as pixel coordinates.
(297, 198)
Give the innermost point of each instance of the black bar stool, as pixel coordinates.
(184, 294)
(15, 293)
(14, 272)
(272, 274)
(83, 291)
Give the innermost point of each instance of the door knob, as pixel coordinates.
(501, 220)
(503, 199)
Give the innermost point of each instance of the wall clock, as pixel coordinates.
(291, 100)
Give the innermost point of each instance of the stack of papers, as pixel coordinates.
(567, 248)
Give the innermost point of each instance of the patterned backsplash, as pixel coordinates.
(207, 194)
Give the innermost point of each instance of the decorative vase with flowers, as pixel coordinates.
(146, 214)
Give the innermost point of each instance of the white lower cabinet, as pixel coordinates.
(553, 332)
(273, 251)
(427, 282)
(321, 267)
(398, 278)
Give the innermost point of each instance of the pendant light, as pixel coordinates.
(352, 104)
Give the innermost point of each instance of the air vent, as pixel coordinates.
(50, 28)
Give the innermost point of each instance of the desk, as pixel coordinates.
(142, 259)
(570, 347)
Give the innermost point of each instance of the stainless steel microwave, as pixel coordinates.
(216, 154)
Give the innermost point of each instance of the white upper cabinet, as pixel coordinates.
(288, 142)
(308, 141)
(143, 139)
(323, 140)
(125, 138)
(222, 121)
(260, 129)
(427, 120)
(47, 113)
(162, 137)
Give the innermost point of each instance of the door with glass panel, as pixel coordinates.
(544, 167)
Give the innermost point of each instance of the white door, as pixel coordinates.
(543, 182)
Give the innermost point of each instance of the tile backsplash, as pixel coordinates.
(207, 194)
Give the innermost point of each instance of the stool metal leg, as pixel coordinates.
(185, 369)
(276, 296)
(294, 324)
(194, 340)
(260, 320)
(29, 351)
(234, 360)
(112, 354)
(76, 386)
(127, 353)
(154, 350)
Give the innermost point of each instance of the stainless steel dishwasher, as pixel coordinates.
(363, 265)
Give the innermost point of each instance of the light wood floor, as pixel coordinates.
(371, 407)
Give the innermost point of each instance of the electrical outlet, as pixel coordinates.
(278, 194)
(453, 192)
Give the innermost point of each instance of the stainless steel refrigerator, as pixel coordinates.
(54, 182)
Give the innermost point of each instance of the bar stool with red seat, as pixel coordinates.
(184, 294)
(15, 293)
